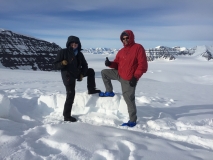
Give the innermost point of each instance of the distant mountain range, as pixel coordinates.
(163, 52)
(18, 51)
(171, 53)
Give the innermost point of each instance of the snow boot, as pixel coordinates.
(106, 94)
(93, 91)
(70, 119)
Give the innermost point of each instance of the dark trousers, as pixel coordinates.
(127, 91)
(90, 79)
(70, 89)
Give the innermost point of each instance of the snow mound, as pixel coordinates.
(8, 111)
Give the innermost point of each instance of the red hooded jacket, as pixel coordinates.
(131, 59)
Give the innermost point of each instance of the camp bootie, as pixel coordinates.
(106, 94)
(129, 124)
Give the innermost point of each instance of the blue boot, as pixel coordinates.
(129, 124)
(106, 94)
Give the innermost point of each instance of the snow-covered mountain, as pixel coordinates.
(100, 50)
(171, 53)
(163, 52)
(18, 51)
(203, 51)
(23, 52)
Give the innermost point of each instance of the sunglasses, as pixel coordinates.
(125, 38)
(74, 42)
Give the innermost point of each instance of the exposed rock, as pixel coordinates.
(207, 55)
(161, 52)
(22, 52)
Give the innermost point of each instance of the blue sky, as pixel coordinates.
(99, 23)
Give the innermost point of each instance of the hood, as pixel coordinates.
(73, 39)
(131, 37)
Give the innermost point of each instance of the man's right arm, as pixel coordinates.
(58, 61)
(114, 64)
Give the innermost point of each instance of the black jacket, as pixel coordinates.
(76, 64)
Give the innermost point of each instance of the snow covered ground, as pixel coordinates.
(175, 115)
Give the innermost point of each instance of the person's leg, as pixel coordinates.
(70, 89)
(90, 78)
(91, 86)
(107, 76)
(129, 97)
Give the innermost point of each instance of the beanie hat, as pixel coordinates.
(124, 34)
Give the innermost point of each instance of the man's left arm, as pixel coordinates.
(142, 63)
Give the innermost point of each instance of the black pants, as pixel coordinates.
(70, 89)
(90, 79)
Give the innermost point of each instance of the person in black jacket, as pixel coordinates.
(73, 66)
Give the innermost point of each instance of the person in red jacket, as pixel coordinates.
(128, 66)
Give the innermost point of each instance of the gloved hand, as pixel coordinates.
(133, 82)
(64, 62)
(80, 78)
(107, 62)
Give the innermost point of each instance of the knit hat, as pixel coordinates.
(124, 34)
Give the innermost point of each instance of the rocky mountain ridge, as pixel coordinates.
(23, 52)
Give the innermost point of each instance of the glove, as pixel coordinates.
(80, 77)
(107, 62)
(133, 82)
(64, 62)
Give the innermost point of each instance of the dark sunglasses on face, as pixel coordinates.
(74, 42)
(125, 38)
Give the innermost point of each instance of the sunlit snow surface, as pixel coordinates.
(175, 115)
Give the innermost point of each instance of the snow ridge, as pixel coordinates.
(100, 111)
